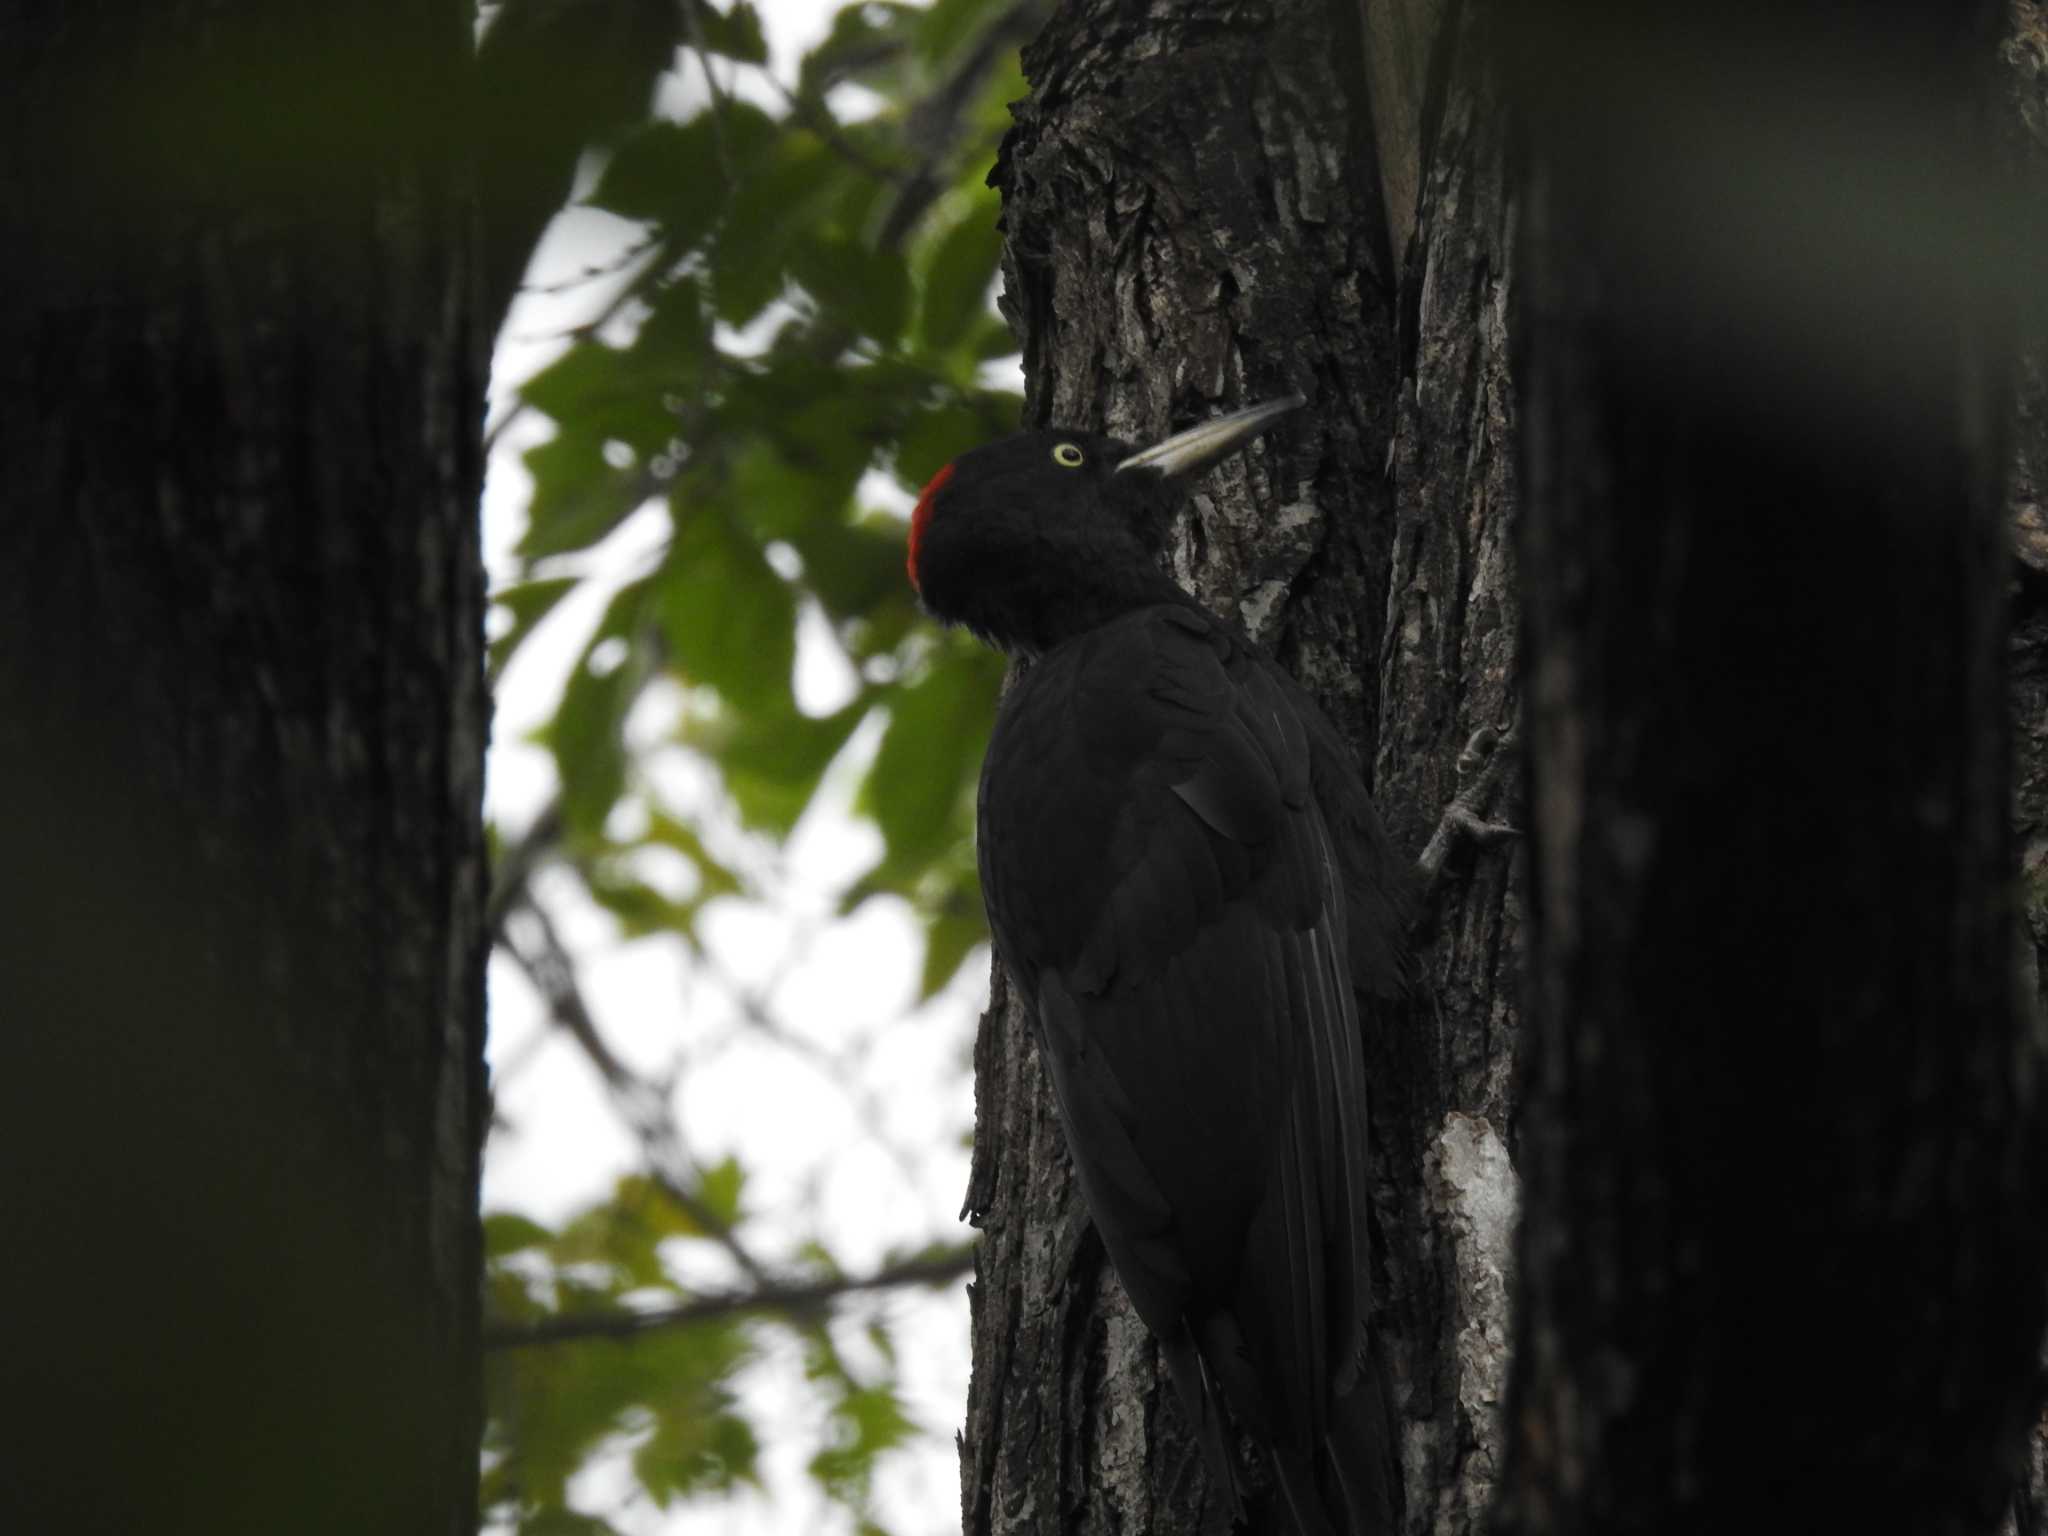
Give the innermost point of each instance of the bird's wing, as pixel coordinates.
(1381, 894)
(1163, 886)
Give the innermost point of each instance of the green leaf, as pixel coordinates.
(881, 1340)
(509, 1297)
(866, 1422)
(772, 207)
(552, 1410)
(950, 937)
(719, 1188)
(834, 433)
(673, 351)
(735, 33)
(729, 620)
(868, 290)
(923, 776)
(624, 1234)
(578, 498)
(666, 174)
(597, 394)
(641, 910)
(856, 570)
(691, 1453)
(506, 1232)
(527, 602)
(991, 338)
(959, 276)
(772, 762)
(781, 499)
(587, 733)
(867, 39)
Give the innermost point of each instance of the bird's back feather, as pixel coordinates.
(1164, 885)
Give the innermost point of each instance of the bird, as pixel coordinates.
(1192, 892)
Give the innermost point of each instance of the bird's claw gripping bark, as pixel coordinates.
(1481, 767)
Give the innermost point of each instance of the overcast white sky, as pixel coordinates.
(791, 1121)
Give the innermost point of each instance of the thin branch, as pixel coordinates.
(826, 128)
(693, 28)
(518, 861)
(611, 267)
(843, 1068)
(795, 1296)
(628, 290)
(516, 1059)
(934, 122)
(642, 1105)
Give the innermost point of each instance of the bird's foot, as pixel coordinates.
(1481, 768)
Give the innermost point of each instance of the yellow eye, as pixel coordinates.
(1067, 455)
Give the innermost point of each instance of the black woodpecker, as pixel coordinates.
(1198, 904)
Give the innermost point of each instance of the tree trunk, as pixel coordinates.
(1193, 219)
(1783, 1242)
(1449, 671)
(241, 735)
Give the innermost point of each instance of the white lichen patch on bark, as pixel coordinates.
(1476, 1189)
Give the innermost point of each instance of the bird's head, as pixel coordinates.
(1045, 535)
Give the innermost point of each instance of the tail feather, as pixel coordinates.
(1362, 1455)
(1303, 1492)
(1205, 1415)
(1349, 1486)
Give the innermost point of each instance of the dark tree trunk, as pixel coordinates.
(1783, 1234)
(1194, 219)
(241, 737)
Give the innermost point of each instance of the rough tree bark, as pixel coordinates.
(241, 735)
(1193, 219)
(1783, 1246)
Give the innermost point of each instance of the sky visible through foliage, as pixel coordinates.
(739, 956)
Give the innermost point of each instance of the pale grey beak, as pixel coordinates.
(1198, 447)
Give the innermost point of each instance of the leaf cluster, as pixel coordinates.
(667, 1399)
(662, 1397)
(813, 308)
(803, 317)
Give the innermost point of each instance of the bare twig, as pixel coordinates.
(644, 1106)
(629, 289)
(823, 125)
(933, 124)
(610, 267)
(795, 1296)
(693, 30)
(516, 864)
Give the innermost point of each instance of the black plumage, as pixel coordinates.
(1193, 893)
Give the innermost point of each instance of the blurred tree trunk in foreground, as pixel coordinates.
(1196, 214)
(1783, 1239)
(241, 745)
(2023, 59)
